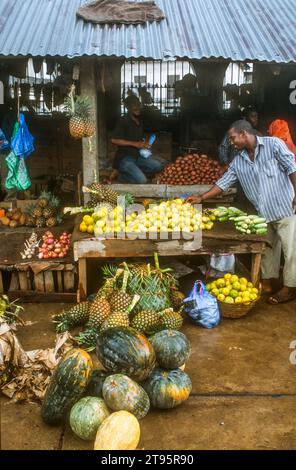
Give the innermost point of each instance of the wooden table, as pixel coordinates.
(222, 239)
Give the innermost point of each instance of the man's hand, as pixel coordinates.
(142, 145)
(194, 199)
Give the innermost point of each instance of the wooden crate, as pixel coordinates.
(57, 283)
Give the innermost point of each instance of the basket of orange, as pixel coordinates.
(236, 295)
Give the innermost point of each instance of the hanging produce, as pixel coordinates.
(191, 169)
(78, 108)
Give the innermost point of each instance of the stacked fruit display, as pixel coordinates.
(45, 213)
(168, 216)
(143, 297)
(233, 289)
(13, 218)
(105, 406)
(192, 169)
(244, 223)
(53, 247)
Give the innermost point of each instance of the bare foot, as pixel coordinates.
(266, 285)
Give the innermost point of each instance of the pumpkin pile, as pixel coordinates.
(142, 296)
(191, 169)
(105, 406)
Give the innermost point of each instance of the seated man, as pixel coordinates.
(129, 137)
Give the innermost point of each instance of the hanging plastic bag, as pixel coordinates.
(218, 265)
(22, 142)
(202, 307)
(17, 177)
(4, 144)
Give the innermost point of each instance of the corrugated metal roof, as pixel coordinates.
(230, 29)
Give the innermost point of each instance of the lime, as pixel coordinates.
(243, 288)
(208, 286)
(243, 281)
(250, 285)
(236, 285)
(226, 291)
(213, 285)
(215, 292)
(233, 293)
(254, 291)
(238, 300)
(220, 283)
(221, 297)
(229, 300)
(234, 278)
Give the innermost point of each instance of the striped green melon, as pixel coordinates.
(122, 393)
(66, 386)
(86, 417)
(172, 348)
(126, 351)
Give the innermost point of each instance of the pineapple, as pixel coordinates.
(40, 222)
(120, 300)
(44, 198)
(51, 222)
(120, 318)
(98, 313)
(115, 319)
(145, 321)
(171, 320)
(78, 109)
(88, 338)
(76, 316)
(31, 222)
(176, 298)
(89, 128)
(37, 212)
(154, 295)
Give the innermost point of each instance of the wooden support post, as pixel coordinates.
(60, 281)
(90, 150)
(256, 265)
(1, 283)
(82, 274)
(14, 283)
(39, 282)
(23, 280)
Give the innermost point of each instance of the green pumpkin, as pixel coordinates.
(67, 385)
(125, 350)
(171, 347)
(95, 385)
(87, 416)
(167, 388)
(122, 393)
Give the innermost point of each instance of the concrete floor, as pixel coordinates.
(243, 397)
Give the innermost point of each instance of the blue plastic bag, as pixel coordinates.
(4, 144)
(202, 307)
(22, 143)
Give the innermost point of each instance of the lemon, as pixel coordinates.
(226, 291)
(87, 219)
(209, 225)
(250, 285)
(213, 285)
(233, 293)
(220, 283)
(236, 286)
(229, 300)
(83, 227)
(238, 300)
(90, 229)
(253, 296)
(221, 297)
(228, 283)
(227, 276)
(243, 288)
(215, 292)
(208, 286)
(254, 291)
(243, 281)
(234, 278)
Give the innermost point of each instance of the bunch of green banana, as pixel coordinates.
(250, 224)
(9, 311)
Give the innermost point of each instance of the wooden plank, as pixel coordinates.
(69, 281)
(39, 282)
(142, 190)
(14, 283)
(34, 297)
(1, 282)
(23, 280)
(49, 282)
(60, 281)
(256, 266)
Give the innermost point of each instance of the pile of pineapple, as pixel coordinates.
(138, 295)
(45, 213)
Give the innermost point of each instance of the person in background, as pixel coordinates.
(280, 128)
(130, 139)
(227, 151)
(266, 170)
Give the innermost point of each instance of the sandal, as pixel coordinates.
(282, 298)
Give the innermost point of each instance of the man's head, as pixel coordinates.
(133, 105)
(241, 133)
(252, 116)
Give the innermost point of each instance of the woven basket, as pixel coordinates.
(236, 310)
